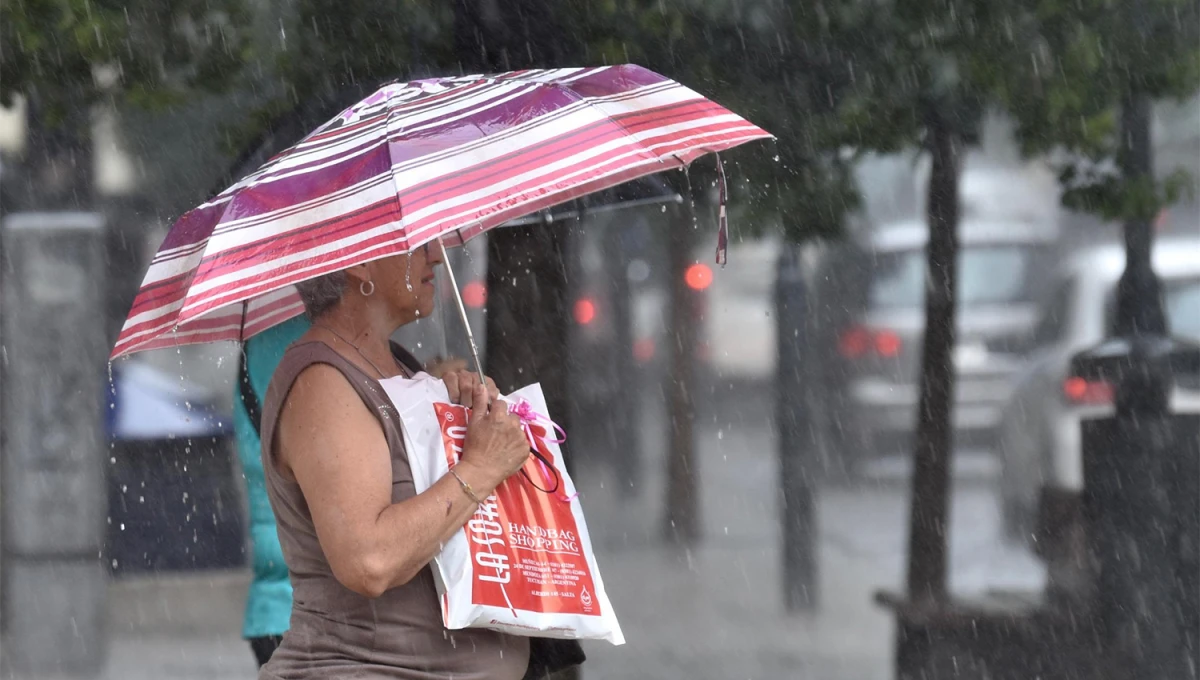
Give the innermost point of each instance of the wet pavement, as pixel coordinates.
(710, 612)
(715, 611)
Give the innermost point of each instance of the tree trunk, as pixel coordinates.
(934, 435)
(1139, 308)
(624, 430)
(682, 520)
(527, 311)
(527, 306)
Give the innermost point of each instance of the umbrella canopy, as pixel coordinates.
(437, 159)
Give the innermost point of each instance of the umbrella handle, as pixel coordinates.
(462, 311)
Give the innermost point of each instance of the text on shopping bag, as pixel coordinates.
(523, 538)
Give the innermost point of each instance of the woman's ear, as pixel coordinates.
(357, 274)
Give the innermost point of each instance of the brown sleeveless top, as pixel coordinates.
(336, 633)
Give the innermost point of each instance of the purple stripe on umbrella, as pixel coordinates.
(375, 133)
(301, 188)
(328, 178)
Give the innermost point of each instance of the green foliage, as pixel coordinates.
(330, 44)
(1114, 197)
(772, 63)
(1090, 56)
(319, 49)
(68, 54)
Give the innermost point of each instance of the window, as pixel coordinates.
(1055, 315)
(1181, 302)
(986, 275)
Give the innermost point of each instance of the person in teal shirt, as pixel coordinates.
(269, 601)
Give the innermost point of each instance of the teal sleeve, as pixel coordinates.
(269, 602)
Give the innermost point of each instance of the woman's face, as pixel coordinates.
(407, 281)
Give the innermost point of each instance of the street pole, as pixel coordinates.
(797, 511)
(682, 521)
(54, 496)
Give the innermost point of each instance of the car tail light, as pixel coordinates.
(643, 350)
(854, 343)
(857, 342)
(585, 311)
(887, 344)
(1083, 392)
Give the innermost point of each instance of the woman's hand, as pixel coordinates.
(462, 388)
(495, 442)
(439, 367)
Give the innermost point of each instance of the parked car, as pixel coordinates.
(1040, 431)
(870, 320)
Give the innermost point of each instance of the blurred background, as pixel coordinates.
(749, 525)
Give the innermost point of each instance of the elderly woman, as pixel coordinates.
(356, 536)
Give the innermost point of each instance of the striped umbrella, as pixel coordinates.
(438, 160)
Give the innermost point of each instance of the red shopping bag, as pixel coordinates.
(524, 563)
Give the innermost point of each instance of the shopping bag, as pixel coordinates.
(523, 564)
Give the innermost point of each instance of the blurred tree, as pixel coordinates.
(1084, 93)
(325, 53)
(64, 58)
(767, 63)
(917, 73)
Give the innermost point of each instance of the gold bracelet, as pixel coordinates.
(466, 488)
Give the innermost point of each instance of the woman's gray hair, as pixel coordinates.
(322, 293)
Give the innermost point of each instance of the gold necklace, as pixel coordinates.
(337, 335)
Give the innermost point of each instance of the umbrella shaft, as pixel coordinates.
(462, 311)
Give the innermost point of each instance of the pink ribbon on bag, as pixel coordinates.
(529, 417)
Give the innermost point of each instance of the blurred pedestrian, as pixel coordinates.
(269, 600)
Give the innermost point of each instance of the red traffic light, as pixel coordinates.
(698, 276)
(474, 294)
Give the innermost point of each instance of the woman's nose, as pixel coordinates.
(433, 254)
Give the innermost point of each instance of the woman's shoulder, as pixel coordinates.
(309, 374)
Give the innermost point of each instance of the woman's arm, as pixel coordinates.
(337, 452)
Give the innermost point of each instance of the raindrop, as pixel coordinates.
(775, 158)
(408, 275)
